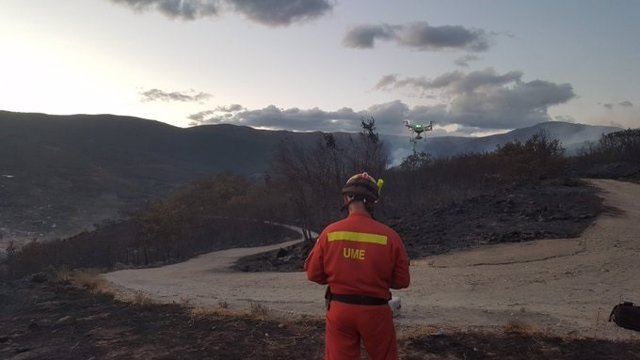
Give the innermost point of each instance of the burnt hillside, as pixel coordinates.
(61, 174)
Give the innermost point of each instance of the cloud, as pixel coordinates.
(364, 36)
(175, 9)
(464, 61)
(419, 36)
(485, 99)
(265, 12)
(523, 104)
(389, 118)
(452, 83)
(478, 102)
(624, 116)
(272, 117)
(221, 112)
(623, 104)
(280, 12)
(188, 96)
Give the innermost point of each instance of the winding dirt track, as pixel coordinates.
(564, 286)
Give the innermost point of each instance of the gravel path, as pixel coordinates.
(562, 286)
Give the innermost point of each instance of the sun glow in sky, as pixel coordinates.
(471, 66)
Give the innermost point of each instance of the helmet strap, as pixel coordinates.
(368, 205)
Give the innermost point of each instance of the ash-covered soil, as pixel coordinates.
(556, 209)
(56, 320)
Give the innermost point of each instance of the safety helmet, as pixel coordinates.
(362, 187)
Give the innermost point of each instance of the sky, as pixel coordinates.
(472, 67)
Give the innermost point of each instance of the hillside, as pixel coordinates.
(62, 174)
(572, 136)
(56, 169)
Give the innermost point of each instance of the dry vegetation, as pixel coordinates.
(153, 238)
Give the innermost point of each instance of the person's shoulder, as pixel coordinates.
(388, 229)
(335, 225)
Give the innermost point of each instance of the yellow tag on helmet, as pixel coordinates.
(380, 184)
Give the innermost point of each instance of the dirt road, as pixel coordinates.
(564, 286)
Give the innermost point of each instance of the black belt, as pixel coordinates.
(358, 299)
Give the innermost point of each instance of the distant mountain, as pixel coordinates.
(62, 174)
(59, 174)
(572, 136)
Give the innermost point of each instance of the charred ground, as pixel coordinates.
(556, 209)
(53, 319)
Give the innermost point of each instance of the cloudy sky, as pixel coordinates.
(473, 67)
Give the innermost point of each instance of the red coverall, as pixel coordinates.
(359, 256)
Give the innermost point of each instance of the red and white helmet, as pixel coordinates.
(362, 186)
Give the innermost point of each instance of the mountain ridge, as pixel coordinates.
(573, 137)
(60, 174)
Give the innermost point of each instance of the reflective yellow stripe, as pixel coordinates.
(357, 237)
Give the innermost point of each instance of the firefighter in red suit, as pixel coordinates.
(360, 259)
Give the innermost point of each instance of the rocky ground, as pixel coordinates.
(46, 319)
(550, 210)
